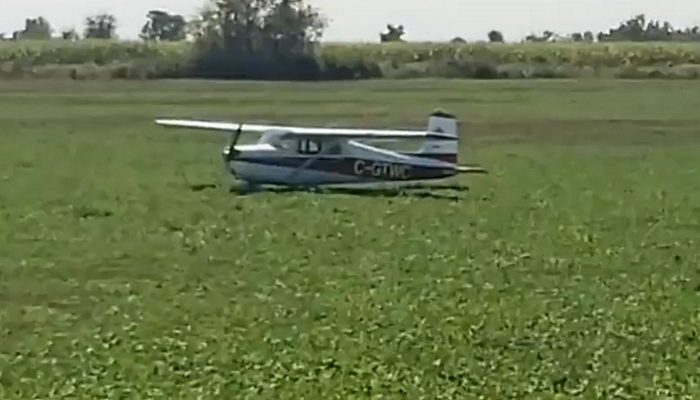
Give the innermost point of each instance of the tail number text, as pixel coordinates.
(378, 169)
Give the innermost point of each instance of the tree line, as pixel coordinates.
(161, 25)
(277, 39)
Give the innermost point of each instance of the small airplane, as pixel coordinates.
(314, 156)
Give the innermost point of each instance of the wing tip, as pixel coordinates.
(471, 169)
(169, 121)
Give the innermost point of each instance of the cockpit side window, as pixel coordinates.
(309, 146)
(334, 149)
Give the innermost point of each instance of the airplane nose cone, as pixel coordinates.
(229, 154)
(227, 157)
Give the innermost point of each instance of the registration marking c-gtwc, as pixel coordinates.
(378, 169)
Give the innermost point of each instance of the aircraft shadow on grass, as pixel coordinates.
(414, 191)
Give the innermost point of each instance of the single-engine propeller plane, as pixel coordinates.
(315, 156)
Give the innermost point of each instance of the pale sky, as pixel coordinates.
(362, 20)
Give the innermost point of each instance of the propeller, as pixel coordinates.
(230, 152)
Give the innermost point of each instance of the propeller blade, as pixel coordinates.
(231, 152)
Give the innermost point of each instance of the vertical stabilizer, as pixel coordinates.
(442, 122)
(443, 150)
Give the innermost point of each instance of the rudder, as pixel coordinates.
(443, 150)
(443, 122)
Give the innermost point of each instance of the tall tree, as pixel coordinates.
(292, 27)
(257, 38)
(393, 34)
(495, 36)
(70, 34)
(35, 29)
(102, 26)
(163, 26)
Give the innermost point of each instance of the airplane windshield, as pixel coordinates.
(286, 144)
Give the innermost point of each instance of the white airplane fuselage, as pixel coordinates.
(357, 163)
(314, 156)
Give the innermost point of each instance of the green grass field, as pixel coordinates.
(573, 269)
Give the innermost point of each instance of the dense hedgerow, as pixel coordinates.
(134, 59)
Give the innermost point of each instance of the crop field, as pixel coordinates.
(106, 59)
(581, 54)
(572, 270)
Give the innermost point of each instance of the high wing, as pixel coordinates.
(296, 131)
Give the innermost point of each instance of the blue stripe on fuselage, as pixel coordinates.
(349, 166)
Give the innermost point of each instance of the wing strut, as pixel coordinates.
(307, 163)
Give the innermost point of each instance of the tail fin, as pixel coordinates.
(443, 150)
